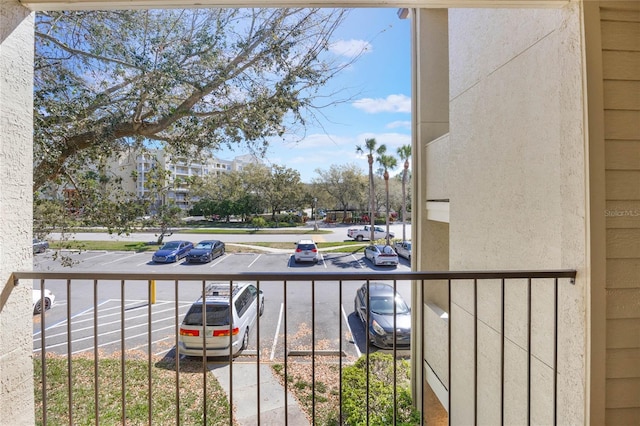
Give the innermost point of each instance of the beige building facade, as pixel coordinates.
(526, 155)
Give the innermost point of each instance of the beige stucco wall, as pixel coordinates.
(517, 201)
(16, 130)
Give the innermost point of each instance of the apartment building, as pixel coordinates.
(138, 168)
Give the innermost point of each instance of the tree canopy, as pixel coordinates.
(197, 78)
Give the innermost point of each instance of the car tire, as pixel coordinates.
(245, 340)
(47, 304)
(262, 308)
(359, 238)
(37, 308)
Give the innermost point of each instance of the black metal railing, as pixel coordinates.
(107, 297)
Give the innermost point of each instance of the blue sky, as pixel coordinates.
(381, 87)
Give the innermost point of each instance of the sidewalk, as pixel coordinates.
(272, 398)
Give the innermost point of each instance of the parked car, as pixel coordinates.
(365, 233)
(379, 254)
(306, 251)
(246, 304)
(380, 302)
(40, 246)
(403, 248)
(49, 298)
(205, 251)
(172, 251)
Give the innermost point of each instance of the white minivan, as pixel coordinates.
(231, 312)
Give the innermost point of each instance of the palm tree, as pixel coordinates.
(369, 149)
(387, 162)
(404, 152)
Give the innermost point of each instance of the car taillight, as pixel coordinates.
(187, 332)
(298, 250)
(222, 333)
(315, 250)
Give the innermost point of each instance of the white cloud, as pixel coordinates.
(350, 48)
(392, 103)
(401, 124)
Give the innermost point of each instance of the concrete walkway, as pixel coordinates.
(272, 398)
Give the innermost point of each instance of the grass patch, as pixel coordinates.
(137, 246)
(163, 397)
(354, 388)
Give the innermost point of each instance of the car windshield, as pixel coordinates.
(204, 246)
(170, 246)
(305, 246)
(386, 250)
(216, 315)
(383, 305)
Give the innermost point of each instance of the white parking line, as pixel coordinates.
(143, 263)
(346, 321)
(275, 338)
(223, 257)
(254, 261)
(323, 262)
(95, 257)
(358, 261)
(122, 258)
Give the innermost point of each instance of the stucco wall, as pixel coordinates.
(16, 129)
(517, 201)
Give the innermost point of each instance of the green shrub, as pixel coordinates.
(258, 222)
(354, 392)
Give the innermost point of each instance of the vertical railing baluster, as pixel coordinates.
(43, 355)
(177, 353)
(69, 359)
(529, 351)
(149, 350)
(258, 352)
(286, 382)
(313, 349)
(475, 352)
(204, 354)
(555, 352)
(340, 349)
(366, 343)
(122, 356)
(449, 350)
(95, 352)
(230, 352)
(420, 362)
(395, 354)
(502, 332)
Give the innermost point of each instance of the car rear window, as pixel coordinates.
(216, 315)
(306, 246)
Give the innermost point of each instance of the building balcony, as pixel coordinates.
(309, 329)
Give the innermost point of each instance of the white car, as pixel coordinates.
(379, 254)
(219, 336)
(403, 249)
(306, 251)
(49, 298)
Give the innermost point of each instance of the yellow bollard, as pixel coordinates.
(153, 292)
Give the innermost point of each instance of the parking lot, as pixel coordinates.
(110, 310)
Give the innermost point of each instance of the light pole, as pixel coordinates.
(315, 212)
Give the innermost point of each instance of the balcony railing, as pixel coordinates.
(122, 315)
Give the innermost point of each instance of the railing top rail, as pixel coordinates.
(300, 276)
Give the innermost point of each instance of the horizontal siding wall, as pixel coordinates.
(621, 69)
